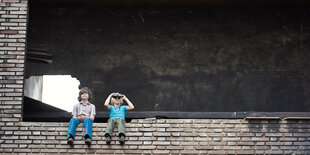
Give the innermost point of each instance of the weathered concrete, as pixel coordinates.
(180, 58)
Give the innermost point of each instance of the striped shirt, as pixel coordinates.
(87, 109)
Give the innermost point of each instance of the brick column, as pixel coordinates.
(13, 25)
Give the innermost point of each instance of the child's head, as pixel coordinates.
(84, 94)
(117, 99)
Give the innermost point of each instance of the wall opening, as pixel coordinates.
(50, 93)
(179, 61)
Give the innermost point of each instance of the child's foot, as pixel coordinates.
(108, 140)
(122, 140)
(88, 141)
(70, 141)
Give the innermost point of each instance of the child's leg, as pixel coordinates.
(88, 125)
(72, 126)
(110, 127)
(121, 127)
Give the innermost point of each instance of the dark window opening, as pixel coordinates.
(176, 60)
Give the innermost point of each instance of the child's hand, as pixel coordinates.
(82, 117)
(124, 97)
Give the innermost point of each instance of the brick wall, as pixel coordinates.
(13, 21)
(144, 136)
(164, 136)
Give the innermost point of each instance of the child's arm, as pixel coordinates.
(107, 101)
(74, 112)
(93, 113)
(130, 105)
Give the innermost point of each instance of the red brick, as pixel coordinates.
(8, 32)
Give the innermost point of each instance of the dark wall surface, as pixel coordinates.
(180, 58)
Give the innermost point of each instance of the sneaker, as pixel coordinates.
(70, 141)
(108, 140)
(88, 141)
(122, 140)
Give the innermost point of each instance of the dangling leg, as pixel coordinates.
(109, 130)
(71, 130)
(88, 125)
(121, 130)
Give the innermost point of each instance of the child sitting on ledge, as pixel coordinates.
(117, 115)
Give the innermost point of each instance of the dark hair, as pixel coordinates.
(85, 90)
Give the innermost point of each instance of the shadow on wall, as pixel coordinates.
(264, 126)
